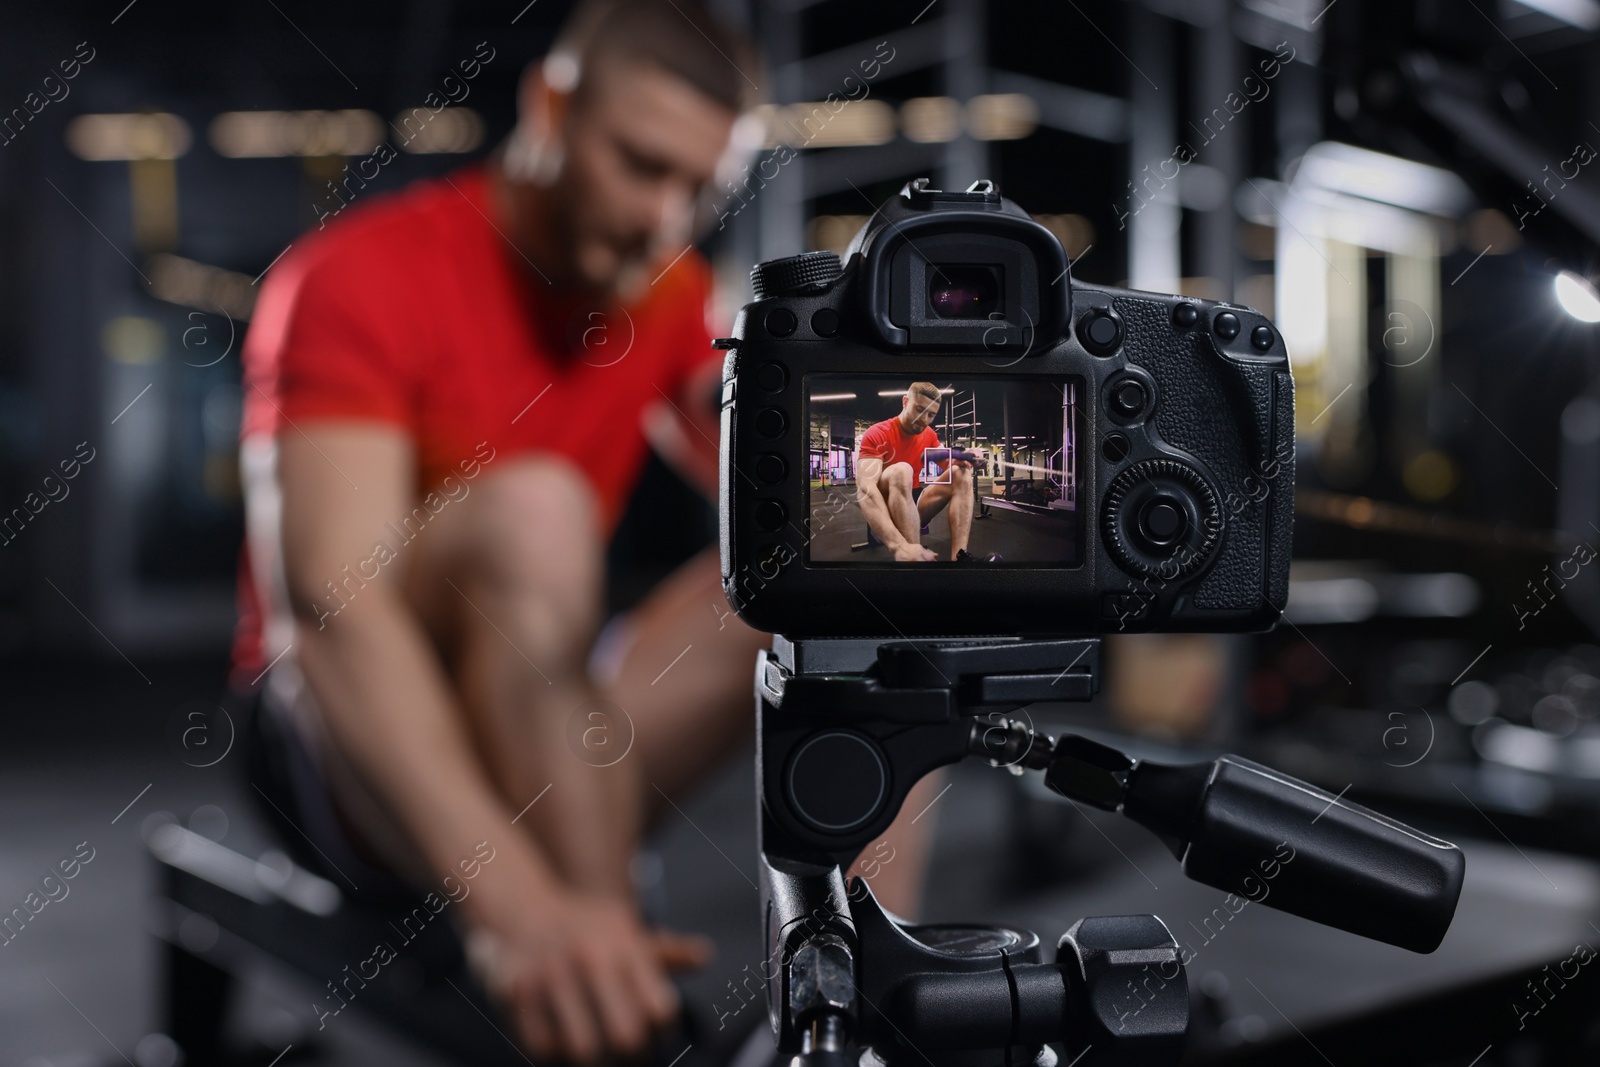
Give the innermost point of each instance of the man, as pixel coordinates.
(446, 400)
(889, 471)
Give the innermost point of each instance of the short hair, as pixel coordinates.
(927, 389)
(678, 36)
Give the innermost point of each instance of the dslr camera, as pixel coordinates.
(945, 435)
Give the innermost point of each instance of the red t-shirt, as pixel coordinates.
(888, 441)
(413, 310)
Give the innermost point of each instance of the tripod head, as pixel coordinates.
(847, 727)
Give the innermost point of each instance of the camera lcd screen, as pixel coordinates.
(958, 470)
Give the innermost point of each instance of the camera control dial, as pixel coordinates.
(1161, 518)
(794, 274)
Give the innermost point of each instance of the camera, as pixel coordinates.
(945, 435)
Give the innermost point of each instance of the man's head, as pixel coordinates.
(919, 406)
(620, 129)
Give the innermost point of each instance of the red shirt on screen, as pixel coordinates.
(412, 310)
(888, 441)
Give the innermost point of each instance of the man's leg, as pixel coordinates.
(686, 683)
(934, 499)
(960, 508)
(510, 581)
(514, 580)
(895, 485)
(896, 864)
(683, 678)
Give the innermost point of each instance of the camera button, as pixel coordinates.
(825, 322)
(1162, 521)
(1128, 398)
(770, 515)
(771, 468)
(1100, 331)
(1226, 325)
(781, 322)
(772, 376)
(1185, 315)
(771, 422)
(1261, 338)
(770, 559)
(1115, 448)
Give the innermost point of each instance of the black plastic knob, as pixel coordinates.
(770, 514)
(1129, 991)
(1128, 398)
(1100, 330)
(794, 274)
(1162, 520)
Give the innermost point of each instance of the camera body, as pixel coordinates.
(1111, 460)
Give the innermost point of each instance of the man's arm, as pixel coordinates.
(380, 686)
(686, 433)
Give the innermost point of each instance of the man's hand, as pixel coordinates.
(580, 976)
(910, 553)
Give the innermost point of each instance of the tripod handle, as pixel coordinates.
(1277, 841)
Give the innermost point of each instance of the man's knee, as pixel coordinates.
(542, 490)
(896, 478)
(960, 476)
(530, 541)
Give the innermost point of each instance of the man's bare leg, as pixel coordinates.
(895, 485)
(684, 681)
(512, 576)
(960, 509)
(896, 864)
(690, 718)
(521, 626)
(934, 499)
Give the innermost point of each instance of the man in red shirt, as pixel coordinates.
(448, 393)
(889, 470)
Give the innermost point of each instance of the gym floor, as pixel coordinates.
(1018, 537)
(79, 985)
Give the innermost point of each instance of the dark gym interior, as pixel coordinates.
(1402, 186)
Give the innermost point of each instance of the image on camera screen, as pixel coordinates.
(957, 469)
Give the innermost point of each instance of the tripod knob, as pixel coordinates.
(1128, 983)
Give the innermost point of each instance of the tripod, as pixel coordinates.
(845, 728)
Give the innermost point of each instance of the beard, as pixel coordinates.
(629, 270)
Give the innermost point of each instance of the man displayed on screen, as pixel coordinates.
(889, 460)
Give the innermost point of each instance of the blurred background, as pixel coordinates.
(1407, 186)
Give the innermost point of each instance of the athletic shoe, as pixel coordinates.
(963, 556)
